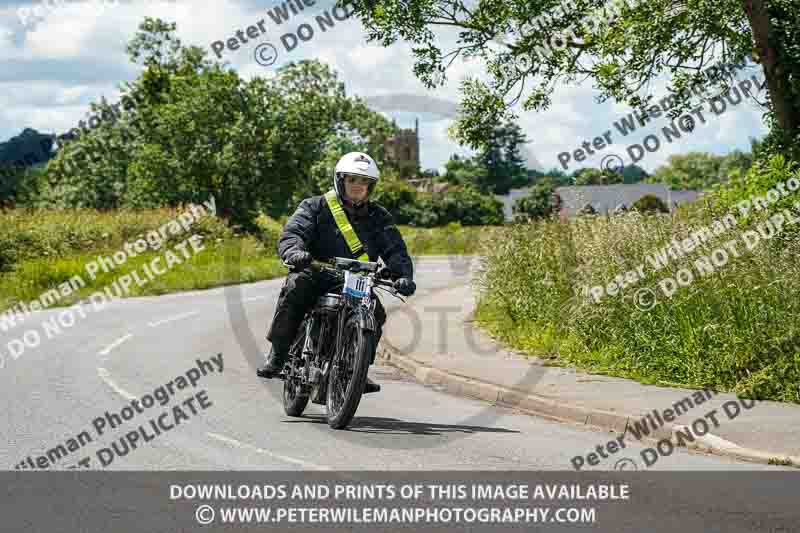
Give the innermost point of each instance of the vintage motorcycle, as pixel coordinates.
(335, 343)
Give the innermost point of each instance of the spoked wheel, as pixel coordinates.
(295, 398)
(348, 374)
(295, 395)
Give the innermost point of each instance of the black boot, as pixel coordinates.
(371, 386)
(275, 362)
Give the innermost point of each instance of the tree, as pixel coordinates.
(594, 176)
(538, 203)
(650, 203)
(692, 171)
(505, 167)
(558, 177)
(395, 194)
(464, 170)
(26, 149)
(491, 158)
(622, 47)
(513, 140)
(736, 161)
(200, 130)
(21, 160)
(633, 174)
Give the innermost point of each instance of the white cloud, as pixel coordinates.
(77, 53)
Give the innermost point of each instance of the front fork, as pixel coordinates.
(366, 321)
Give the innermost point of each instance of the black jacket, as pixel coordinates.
(313, 229)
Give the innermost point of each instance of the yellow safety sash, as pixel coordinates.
(344, 226)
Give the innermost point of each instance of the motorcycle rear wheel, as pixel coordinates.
(295, 395)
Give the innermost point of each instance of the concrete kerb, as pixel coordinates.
(713, 444)
(554, 409)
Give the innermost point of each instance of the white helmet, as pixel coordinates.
(357, 163)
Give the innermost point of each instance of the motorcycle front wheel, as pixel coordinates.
(348, 374)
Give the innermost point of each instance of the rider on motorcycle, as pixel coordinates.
(313, 232)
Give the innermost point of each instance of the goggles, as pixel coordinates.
(356, 179)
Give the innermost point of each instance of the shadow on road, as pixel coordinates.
(394, 426)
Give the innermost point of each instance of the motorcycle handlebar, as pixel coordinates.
(383, 276)
(333, 266)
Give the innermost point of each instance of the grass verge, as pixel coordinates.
(732, 327)
(45, 249)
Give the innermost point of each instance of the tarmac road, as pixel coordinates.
(55, 391)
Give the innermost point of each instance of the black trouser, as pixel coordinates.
(300, 292)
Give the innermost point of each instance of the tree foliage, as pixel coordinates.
(650, 204)
(497, 168)
(538, 203)
(621, 46)
(700, 170)
(505, 166)
(594, 176)
(199, 130)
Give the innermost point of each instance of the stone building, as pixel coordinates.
(403, 150)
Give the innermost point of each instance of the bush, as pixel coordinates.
(650, 203)
(463, 204)
(269, 231)
(395, 195)
(538, 203)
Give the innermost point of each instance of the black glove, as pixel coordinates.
(405, 286)
(385, 273)
(299, 260)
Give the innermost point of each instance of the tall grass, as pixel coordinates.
(40, 249)
(452, 239)
(42, 233)
(736, 329)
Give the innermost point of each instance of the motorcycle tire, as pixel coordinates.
(359, 346)
(295, 396)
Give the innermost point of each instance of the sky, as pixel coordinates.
(57, 56)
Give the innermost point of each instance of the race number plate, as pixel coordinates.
(355, 285)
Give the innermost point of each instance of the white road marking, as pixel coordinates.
(173, 318)
(107, 349)
(254, 298)
(238, 444)
(104, 375)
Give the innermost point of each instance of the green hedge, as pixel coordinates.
(461, 204)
